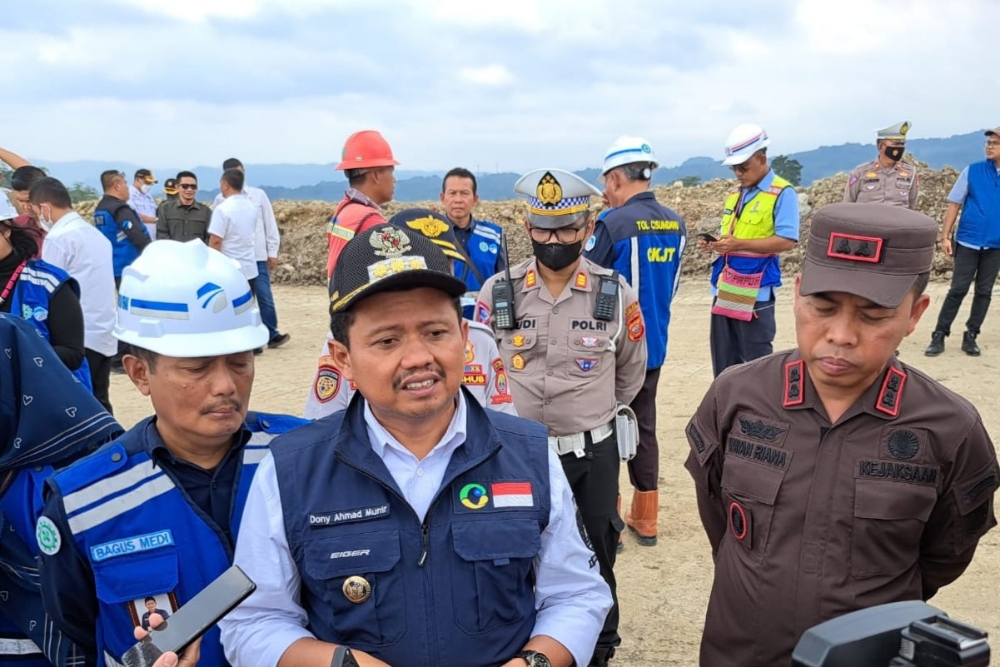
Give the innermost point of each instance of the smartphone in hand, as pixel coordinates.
(707, 238)
(193, 619)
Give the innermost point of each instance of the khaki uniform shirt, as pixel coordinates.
(870, 183)
(810, 520)
(567, 369)
(182, 223)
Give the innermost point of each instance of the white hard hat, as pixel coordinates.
(743, 142)
(627, 150)
(7, 210)
(187, 300)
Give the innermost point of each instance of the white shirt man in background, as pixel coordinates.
(141, 201)
(77, 247)
(268, 241)
(233, 228)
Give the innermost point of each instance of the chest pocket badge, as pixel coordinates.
(519, 347)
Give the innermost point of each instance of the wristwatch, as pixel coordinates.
(534, 659)
(342, 657)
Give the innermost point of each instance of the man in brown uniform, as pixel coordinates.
(833, 477)
(575, 349)
(887, 179)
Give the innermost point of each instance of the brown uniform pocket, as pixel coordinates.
(749, 491)
(889, 520)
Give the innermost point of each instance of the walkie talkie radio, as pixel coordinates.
(503, 293)
(607, 298)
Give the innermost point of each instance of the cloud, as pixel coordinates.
(510, 84)
(491, 75)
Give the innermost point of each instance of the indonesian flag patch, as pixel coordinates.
(512, 494)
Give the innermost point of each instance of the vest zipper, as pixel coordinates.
(426, 543)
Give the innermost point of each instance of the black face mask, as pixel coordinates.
(894, 153)
(557, 256)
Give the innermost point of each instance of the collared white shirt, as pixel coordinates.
(75, 245)
(268, 240)
(235, 222)
(571, 598)
(143, 204)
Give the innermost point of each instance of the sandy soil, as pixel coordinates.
(664, 589)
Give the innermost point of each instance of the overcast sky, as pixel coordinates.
(508, 84)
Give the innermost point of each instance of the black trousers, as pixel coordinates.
(644, 468)
(971, 265)
(737, 342)
(100, 377)
(594, 480)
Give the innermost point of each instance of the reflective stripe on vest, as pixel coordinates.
(142, 536)
(18, 647)
(756, 220)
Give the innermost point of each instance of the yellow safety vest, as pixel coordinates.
(756, 220)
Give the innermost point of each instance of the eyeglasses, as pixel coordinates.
(563, 234)
(992, 144)
(188, 186)
(741, 168)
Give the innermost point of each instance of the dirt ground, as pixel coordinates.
(664, 589)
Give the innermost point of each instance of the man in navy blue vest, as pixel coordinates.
(119, 222)
(480, 240)
(976, 247)
(414, 528)
(644, 241)
(156, 512)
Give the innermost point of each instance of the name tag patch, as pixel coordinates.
(131, 545)
(754, 451)
(898, 472)
(348, 516)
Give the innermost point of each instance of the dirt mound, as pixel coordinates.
(303, 224)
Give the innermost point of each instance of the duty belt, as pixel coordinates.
(577, 443)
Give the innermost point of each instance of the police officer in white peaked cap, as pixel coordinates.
(573, 339)
(887, 179)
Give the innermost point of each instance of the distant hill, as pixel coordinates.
(303, 182)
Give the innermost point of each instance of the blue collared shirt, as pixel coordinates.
(958, 194)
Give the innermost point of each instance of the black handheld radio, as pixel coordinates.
(503, 293)
(607, 298)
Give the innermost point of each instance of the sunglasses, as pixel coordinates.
(188, 186)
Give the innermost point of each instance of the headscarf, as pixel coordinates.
(46, 416)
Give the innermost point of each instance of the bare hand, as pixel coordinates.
(272, 263)
(188, 659)
(946, 247)
(703, 245)
(725, 245)
(364, 660)
(170, 659)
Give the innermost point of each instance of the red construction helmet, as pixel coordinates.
(365, 149)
